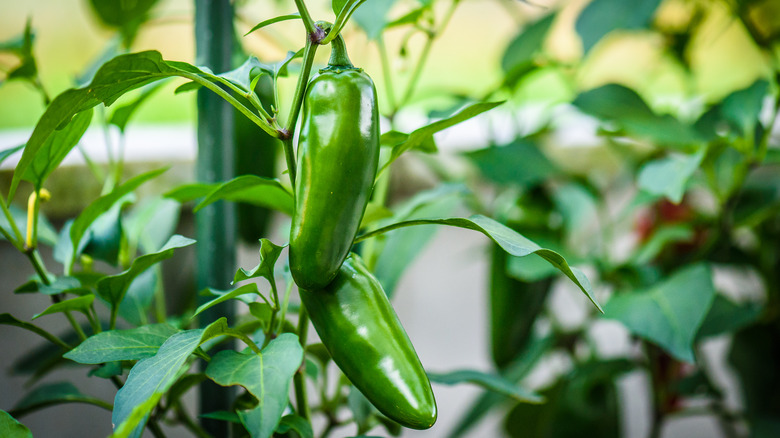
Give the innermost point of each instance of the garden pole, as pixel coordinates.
(216, 228)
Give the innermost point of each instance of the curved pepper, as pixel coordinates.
(363, 335)
(338, 153)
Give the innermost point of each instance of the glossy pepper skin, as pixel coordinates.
(363, 335)
(338, 153)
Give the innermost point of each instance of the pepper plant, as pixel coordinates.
(702, 194)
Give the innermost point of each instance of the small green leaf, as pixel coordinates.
(742, 108)
(10, 428)
(337, 6)
(150, 378)
(112, 288)
(5, 153)
(252, 189)
(269, 254)
(490, 382)
(669, 176)
(190, 192)
(372, 19)
(115, 345)
(52, 394)
(81, 304)
(410, 17)
(661, 237)
(520, 163)
(670, 313)
(423, 135)
(231, 417)
(103, 204)
(519, 56)
(246, 73)
(265, 23)
(246, 289)
(297, 424)
(266, 375)
(508, 239)
(603, 16)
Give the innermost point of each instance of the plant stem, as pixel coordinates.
(18, 241)
(386, 73)
(300, 376)
(311, 28)
(160, 312)
(155, 428)
(189, 423)
(310, 49)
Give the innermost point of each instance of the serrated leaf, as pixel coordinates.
(508, 239)
(112, 288)
(425, 134)
(115, 345)
(270, 21)
(266, 375)
(603, 16)
(670, 313)
(10, 428)
(150, 378)
(238, 292)
(103, 204)
(487, 381)
(252, 189)
(669, 176)
(52, 394)
(80, 304)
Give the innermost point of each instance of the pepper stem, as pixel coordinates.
(338, 54)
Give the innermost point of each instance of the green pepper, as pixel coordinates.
(338, 153)
(363, 335)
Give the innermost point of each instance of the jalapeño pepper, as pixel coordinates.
(363, 335)
(338, 153)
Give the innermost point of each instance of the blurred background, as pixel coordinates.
(638, 139)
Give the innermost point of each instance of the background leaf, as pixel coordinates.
(252, 189)
(669, 176)
(115, 345)
(520, 163)
(603, 16)
(490, 382)
(670, 313)
(51, 394)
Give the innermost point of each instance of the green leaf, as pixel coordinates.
(410, 17)
(726, 316)
(508, 239)
(150, 378)
(252, 189)
(401, 248)
(491, 382)
(669, 176)
(662, 236)
(139, 296)
(269, 254)
(151, 223)
(297, 424)
(115, 78)
(337, 6)
(5, 153)
(103, 204)
(115, 345)
(603, 16)
(265, 23)
(190, 192)
(670, 313)
(231, 417)
(245, 74)
(122, 115)
(576, 204)
(103, 239)
(22, 47)
(10, 428)
(55, 148)
(112, 288)
(519, 55)
(246, 289)
(625, 107)
(52, 394)
(372, 19)
(742, 108)
(266, 375)
(422, 136)
(520, 162)
(81, 304)
(8, 319)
